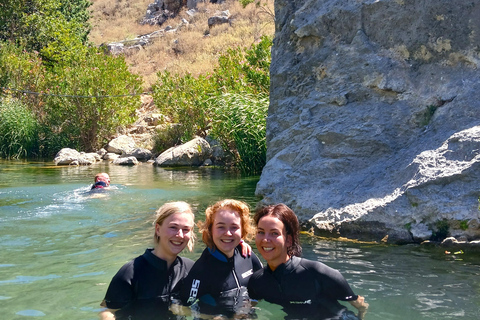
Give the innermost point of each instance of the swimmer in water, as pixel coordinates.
(102, 180)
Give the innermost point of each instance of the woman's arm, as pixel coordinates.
(108, 314)
(246, 249)
(361, 306)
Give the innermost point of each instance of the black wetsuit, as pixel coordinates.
(142, 288)
(306, 289)
(219, 283)
(99, 185)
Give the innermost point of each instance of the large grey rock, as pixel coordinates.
(121, 145)
(141, 154)
(125, 161)
(68, 156)
(374, 117)
(161, 10)
(111, 156)
(192, 153)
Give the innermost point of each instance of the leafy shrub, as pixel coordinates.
(72, 110)
(441, 230)
(18, 130)
(239, 124)
(55, 29)
(183, 99)
(245, 70)
(168, 137)
(228, 97)
(21, 70)
(67, 113)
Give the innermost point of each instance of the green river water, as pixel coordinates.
(60, 247)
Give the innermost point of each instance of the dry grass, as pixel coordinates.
(187, 50)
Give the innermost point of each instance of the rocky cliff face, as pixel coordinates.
(374, 120)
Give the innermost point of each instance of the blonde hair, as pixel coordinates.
(169, 209)
(239, 207)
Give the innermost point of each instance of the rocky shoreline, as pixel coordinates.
(124, 151)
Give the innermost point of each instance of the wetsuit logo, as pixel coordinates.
(247, 274)
(301, 302)
(194, 291)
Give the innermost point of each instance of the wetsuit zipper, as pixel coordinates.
(236, 281)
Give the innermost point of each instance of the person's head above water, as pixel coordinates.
(227, 222)
(277, 236)
(174, 222)
(102, 177)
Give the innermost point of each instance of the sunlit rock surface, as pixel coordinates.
(374, 118)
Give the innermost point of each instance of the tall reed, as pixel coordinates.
(18, 130)
(239, 124)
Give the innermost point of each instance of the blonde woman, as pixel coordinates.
(143, 286)
(217, 282)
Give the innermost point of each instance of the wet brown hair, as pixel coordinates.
(290, 221)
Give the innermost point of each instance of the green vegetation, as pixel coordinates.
(441, 231)
(18, 130)
(57, 30)
(408, 226)
(239, 124)
(66, 113)
(429, 114)
(231, 102)
(89, 122)
(66, 93)
(464, 224)
(44, 54)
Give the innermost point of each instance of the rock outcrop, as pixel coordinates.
(192, 153)
(374, 118)
(68, 156)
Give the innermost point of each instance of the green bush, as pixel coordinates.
(245, 70)
(58, 30)
(168, 137)
(67, 114)
(239, 85)
(18, 130)
(72, 112)
(239, 124)
(183, 100)
(21, 70)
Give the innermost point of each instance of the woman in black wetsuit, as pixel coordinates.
(306, 289)
(142, 288)
(217, 282)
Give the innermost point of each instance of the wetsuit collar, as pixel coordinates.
(220, 255)
(99, 185)
(156, 261)
(287, 267)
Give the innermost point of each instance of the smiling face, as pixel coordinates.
(226, 231)
(174, 234)
(272, 241)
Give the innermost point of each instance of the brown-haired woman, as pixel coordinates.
(305, 288)
(217, 282)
